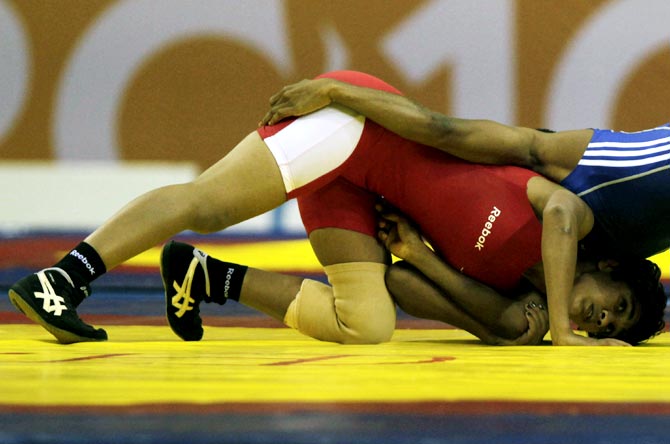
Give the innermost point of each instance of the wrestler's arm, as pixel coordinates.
(482, 141)
(434, 290)
(565, 220)
(553, 155)
(418, 296)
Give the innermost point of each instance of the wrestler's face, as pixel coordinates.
(602, 306)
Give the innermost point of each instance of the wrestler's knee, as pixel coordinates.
(373, 331)
(203, 215)
(205, 222)
(357, 309)
(362, 301)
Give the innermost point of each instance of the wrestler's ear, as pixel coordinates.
(607, 265)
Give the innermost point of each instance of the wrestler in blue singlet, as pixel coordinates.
(625, 179)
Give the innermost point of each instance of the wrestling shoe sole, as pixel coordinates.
(63, 336)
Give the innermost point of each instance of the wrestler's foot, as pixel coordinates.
(186, 282)
(49, 298)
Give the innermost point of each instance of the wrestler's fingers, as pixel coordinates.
(538, 323)
(275, 115)
(278, 95)
(538, 311)
(531, 314)
(613, 342)
(384, 224)
(393, 217)
(266, 119)
(384, 237)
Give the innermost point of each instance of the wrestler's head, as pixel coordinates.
(624, 301)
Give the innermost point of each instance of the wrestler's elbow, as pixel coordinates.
(560, 214)
(512, 322)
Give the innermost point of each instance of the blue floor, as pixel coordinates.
(331, 428)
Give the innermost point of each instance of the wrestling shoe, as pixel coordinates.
(50, 298)
(186, 282)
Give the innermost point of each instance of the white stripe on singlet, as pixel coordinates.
(315, 144)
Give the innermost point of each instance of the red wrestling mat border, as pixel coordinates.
(436, 408)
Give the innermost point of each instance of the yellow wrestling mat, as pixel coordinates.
(276, 254)
(146, 364)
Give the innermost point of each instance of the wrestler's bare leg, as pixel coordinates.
(335, 246)
(245, 183)
(272, 293)
(268, 292)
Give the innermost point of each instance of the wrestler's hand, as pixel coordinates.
(298, 99)
(575, 339)
(538, 326)
(398, 235)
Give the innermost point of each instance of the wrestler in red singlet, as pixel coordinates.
(477, 217)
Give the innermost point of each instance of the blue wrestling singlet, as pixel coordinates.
(625, 179)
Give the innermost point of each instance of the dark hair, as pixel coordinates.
(643, 277)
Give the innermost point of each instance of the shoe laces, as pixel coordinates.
(182, 300)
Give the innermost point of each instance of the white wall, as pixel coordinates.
(79, 196)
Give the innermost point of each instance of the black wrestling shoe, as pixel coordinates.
(186, 282)
(50, 298)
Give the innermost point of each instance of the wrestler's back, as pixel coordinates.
(476, 217)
